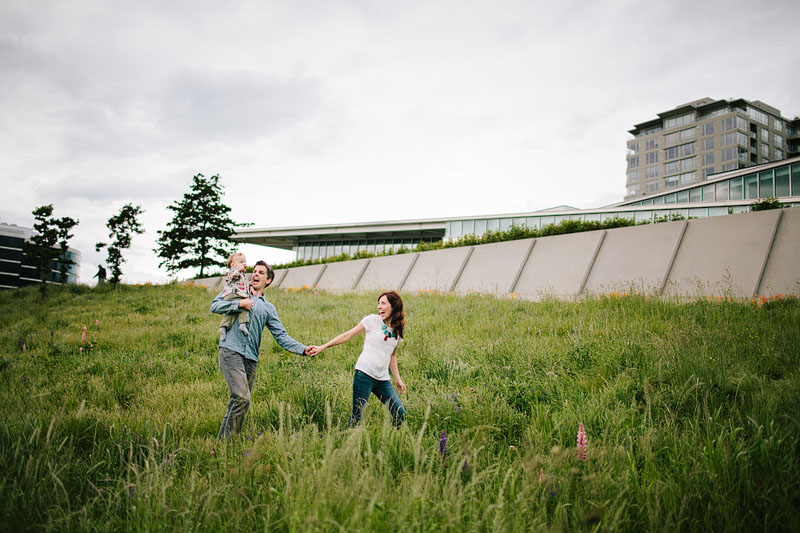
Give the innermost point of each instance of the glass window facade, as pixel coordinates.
(765, 185)
(782, 182)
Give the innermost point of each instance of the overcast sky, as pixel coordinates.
(323, 112)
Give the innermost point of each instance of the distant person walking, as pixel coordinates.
(238, 353)
(384, 331)
(101, 274)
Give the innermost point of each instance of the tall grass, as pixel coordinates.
(690, 410)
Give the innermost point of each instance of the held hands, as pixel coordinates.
(246, 303)
(312, 351)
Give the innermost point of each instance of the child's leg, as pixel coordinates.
(388, 395)
(362, 386)
(244, 320)
(227, 319)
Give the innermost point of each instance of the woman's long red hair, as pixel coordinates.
(398, 318)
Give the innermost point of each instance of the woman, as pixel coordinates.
(379, 355)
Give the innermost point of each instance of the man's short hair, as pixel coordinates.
(270, 272)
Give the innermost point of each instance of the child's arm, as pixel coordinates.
(401, 387)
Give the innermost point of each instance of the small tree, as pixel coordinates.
(41, 249)
(199, 233)
(121, 228)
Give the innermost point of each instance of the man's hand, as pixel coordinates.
(246, 303)
(401, 387)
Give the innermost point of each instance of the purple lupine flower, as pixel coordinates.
(455, 398)
(131, 489)
(581, 453)
(443, 446)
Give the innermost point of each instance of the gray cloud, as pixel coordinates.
(235, 106)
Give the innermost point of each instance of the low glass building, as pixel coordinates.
(15, 268)
(721, 194)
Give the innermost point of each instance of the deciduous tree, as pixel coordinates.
(41, 250)
(121, 228)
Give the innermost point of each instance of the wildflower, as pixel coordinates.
(443, 446)
(581, 443)
(455, 399)
(80, 350)
(83, 335)
(131, 490)
(185, 353)
(96, 322)
(212, 452)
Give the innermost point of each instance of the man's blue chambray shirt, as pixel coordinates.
(262, 314)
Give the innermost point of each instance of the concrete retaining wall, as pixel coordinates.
(343, 276)
(558, 265)
(494, 268)
(781, 271)
(723, 256)
(735, 255)
(386, 273)
(636, 258)
(437, 270)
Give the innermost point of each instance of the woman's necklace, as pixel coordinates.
(387, 333)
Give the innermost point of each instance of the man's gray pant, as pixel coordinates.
(240, 375)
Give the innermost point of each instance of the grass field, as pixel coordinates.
(692, 413)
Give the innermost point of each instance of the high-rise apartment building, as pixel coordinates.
(695, 140)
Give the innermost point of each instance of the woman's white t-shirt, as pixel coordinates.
(376, 354)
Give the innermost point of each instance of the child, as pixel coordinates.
(236, 288)
(379, 355)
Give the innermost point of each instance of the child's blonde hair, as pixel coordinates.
(234, 254)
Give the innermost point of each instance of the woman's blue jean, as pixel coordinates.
(363, 385)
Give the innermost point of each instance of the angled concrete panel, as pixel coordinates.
(782, 273)
(634, 258)
(492, 267)
(385, 273)
(299, 277)
(558, 265)
(279, 275)
(722, 256)
(436, 270)
(339, 277)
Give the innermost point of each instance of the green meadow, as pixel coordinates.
(692, 412)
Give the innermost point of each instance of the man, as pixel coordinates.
(238, 353)
(101, 274)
